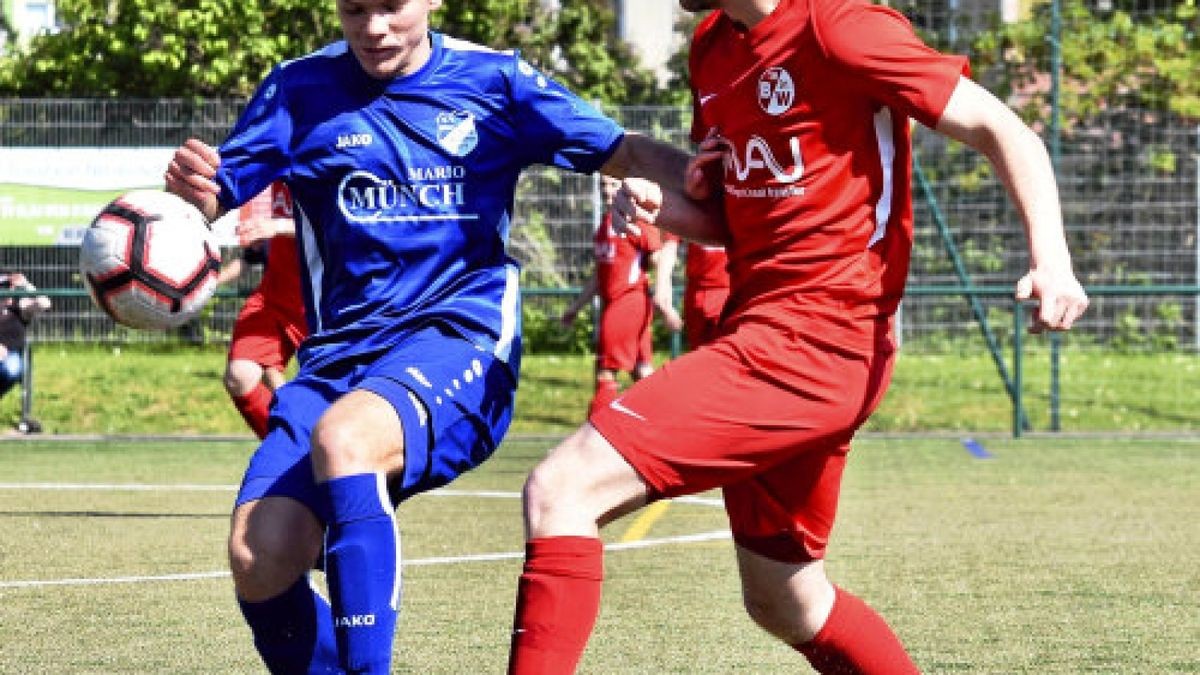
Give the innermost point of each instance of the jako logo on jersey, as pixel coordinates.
(776, 91)
(364, 197)
(354, 140)
(456, 132)
(355, 621)
(758, 155)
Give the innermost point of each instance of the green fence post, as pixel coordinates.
(960, 269)
(1018, 366)
(1056, 67)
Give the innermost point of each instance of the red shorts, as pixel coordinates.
(624, 341)
(702, 313)
(266, 334)
(764, 413)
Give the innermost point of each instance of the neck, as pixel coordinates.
(749, 13)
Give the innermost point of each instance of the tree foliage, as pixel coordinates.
(223, 48)
(147, 48)
(576, 43)
(1110, 60)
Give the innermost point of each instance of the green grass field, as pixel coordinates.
(165, 389)
(1054, 556)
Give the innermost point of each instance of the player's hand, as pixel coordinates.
(190, 175)
(702, 178)
(1061, 299)
(255, 231)
(636, 201)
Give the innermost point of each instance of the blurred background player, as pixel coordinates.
(804, 109)
(705, 288)
(624, 341)
(15, 316)
(270, 326)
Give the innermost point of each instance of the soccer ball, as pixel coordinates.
(149, 260)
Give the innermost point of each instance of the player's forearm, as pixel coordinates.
(702, 222)
(1023, 166)
(975, 117)
(643, 157)
(664, 268)
(585, 296)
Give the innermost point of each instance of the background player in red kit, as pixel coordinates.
(806, 106)
(705, 288)
(624, 342)
(270, 326)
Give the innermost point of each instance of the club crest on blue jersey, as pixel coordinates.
(456, 132)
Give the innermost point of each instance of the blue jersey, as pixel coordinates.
(403, 188)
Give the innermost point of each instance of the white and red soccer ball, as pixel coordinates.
(149, 260)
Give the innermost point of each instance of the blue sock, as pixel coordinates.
(293, 631)
(362, 570)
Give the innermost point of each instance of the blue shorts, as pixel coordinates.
(454, 400)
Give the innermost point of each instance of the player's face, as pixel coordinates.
(388, 37)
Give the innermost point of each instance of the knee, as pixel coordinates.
(560, 489)
(264, 563)
(334, 443)
(793, 615)
(241, 377)
(546, 489)
(342, 446)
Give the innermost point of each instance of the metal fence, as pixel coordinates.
(1132, 218)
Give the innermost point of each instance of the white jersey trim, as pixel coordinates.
(509, 308)
(312, 261)
(885, 138)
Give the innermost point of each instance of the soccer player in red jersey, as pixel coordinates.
(270, 326)
(624, 342)
(803, 108)
(705, 289)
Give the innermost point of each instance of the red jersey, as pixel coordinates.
(706, 266)
(815, 102)
(620, 260)
(280, 284)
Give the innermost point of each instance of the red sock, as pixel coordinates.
(854, 640)
(255, 407)
(606, 392)
(558, 598)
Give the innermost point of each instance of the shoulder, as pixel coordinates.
(845, 27)
(708, 32)
(479, 60)
(323, 63)
(467, 49)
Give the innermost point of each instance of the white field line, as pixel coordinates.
(418, 562)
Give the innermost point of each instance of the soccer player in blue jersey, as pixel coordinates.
(401, 148)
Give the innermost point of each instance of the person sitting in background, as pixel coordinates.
(15, 317)
(624, 337)
(271, 325)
